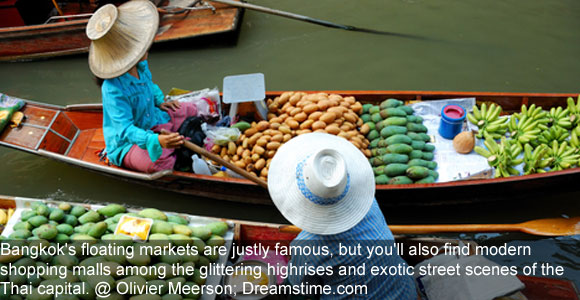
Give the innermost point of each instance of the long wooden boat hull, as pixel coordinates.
(73, 135)
(250, 234)
(69, 37)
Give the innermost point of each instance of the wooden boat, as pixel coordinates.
(26, 38)
(247, 233)
(73, 135)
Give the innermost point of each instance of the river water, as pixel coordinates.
(470, 45)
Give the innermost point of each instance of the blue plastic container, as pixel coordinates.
(452, 117)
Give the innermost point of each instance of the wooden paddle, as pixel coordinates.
(199, 150)
(311, 20)
(543, 227)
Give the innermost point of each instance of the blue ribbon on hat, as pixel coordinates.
(311, 196)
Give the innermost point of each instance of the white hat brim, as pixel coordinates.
(127, 40)
(311, 217)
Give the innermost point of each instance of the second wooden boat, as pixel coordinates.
(73, 135)
(25, 35)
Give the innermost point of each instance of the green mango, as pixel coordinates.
(20, 234)
(90, 217)
(197, 278)
(215, 240)
(62, 238)
(219, 228)
(71, 220)
(153, 213)
(98, 230)
(65, 229)
(162, 227)
(78, 211)
(57, 214)
(42, 210)
(27, 215)
(177, 220)
(182, 229)
(180, 239)
(36, 221)
(23, 225)
(84, 229)
(65, 260)
(112, 210)
(66, 207)
(201, 232)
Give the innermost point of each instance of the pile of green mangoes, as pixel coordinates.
(401, 153)
(74, 224)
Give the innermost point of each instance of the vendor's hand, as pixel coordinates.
(170, 140)
(173, 105)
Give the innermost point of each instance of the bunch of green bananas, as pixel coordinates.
(555, 133)
(563, 156)
(534, 159)
(502, 156)
(524, 130)
(559, 117)
(488, 121)
(574, 110)
(535, 113)
(574, 138)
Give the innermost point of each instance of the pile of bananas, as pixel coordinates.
(488, 121)
(560, 117)
(555, 133)
(549, 140)
(535, 160)
(503, 156)
(574, 110)
(5, 215)
(563, 156)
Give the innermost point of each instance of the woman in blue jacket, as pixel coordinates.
(134, 110)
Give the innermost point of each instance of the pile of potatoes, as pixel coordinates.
(292, 114)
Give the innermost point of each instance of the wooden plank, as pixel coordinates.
(38, 116)
(86, 119)
(54, 143)
(81, 144)
(24, 136)
(64, 126)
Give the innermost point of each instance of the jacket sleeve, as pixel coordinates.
(158, 94)
(120, 112)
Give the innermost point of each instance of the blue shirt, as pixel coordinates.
(371, 231)
(130, 110)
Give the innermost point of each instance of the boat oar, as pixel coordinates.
(311, 20)
(544, 227)
(199, 150)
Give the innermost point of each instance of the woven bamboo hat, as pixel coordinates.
(321, 183)
(120, 36)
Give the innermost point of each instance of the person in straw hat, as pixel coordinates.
(324, 184)
(134, 110)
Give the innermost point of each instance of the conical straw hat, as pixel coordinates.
(120, 36)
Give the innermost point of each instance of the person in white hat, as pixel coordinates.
(134, 110)
(325, 185)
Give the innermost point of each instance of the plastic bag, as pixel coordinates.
(219, 135)
(207, 101)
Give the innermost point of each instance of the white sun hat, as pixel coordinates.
(120, 36)
(321, 183)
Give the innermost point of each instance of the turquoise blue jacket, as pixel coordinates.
(130, 110)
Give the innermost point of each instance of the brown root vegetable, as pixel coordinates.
(464, 142)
